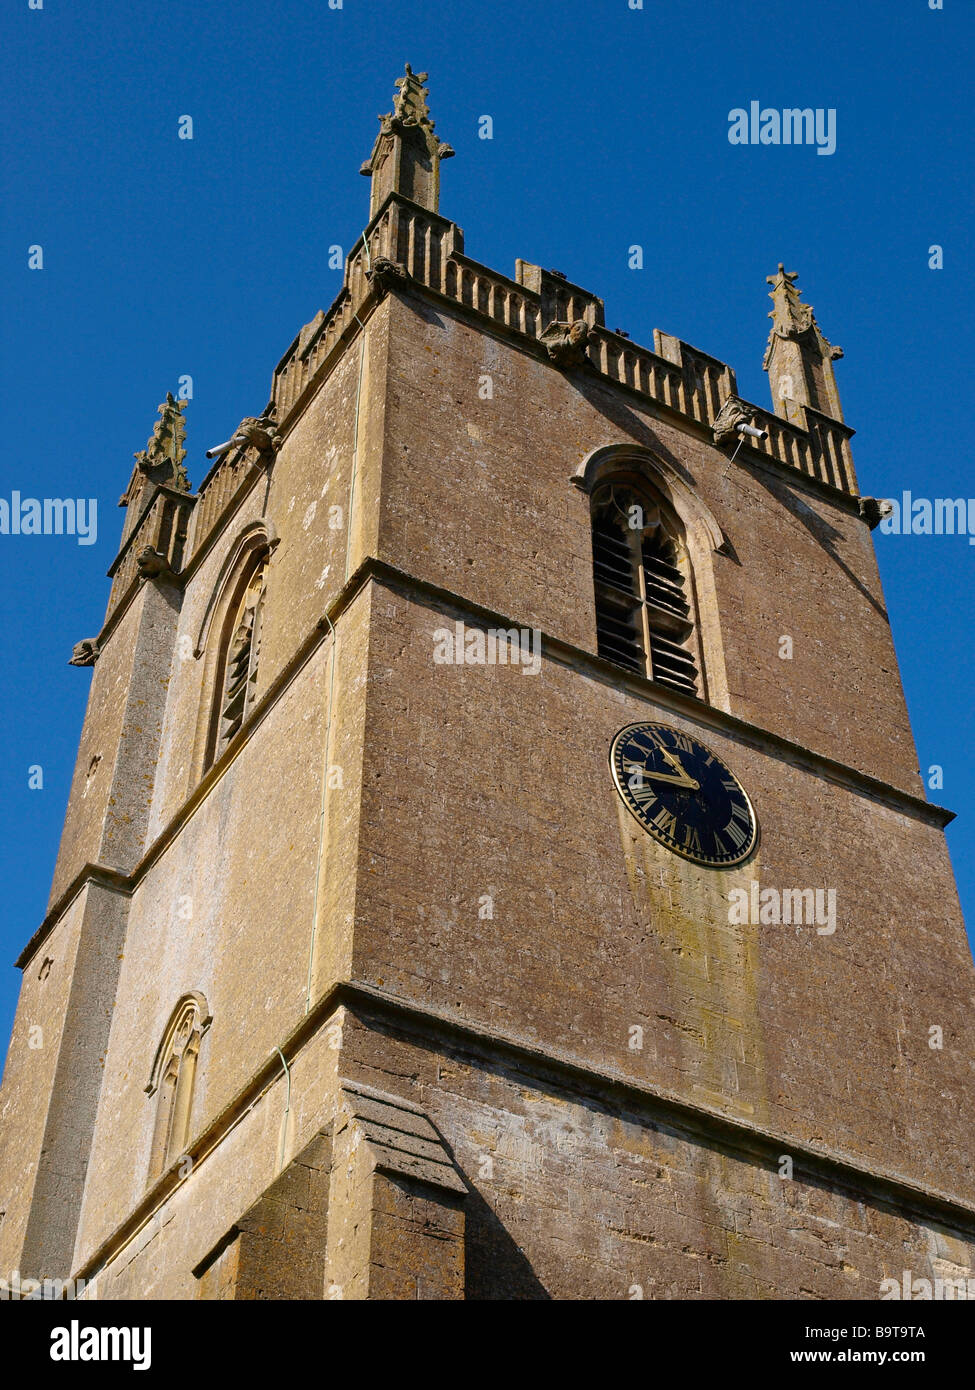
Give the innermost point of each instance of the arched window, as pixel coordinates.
(173, 1079)
(645, 617)
(236, 674)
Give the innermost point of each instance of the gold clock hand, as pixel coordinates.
(678, 766)
(675, 763)
(678, 781)
(681, 779)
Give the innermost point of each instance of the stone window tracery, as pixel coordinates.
(237, 671)
(173, 1082)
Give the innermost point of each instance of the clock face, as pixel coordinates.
(683, 794)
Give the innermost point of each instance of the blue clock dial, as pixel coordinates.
(683, 794)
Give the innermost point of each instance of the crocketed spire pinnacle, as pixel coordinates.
(799, 357)
(406, 156)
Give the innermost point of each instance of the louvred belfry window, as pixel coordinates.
(240, 668)
(644, 617)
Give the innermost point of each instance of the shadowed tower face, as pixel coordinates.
(496, 864)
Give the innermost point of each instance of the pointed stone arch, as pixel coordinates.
(612, 459)
(254, 540)
(232, 620)
(701, 535)
(172, 1080)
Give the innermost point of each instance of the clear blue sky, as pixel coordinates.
(164, 257)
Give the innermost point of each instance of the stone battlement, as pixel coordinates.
(412, 249)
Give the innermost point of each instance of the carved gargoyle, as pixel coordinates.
(152, 564)
(260, 433)
(383, 272)
(84, 653)
(254, 432)
(874, 509)
(733, 413)
(567, 343)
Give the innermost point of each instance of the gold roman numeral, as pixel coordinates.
(692, 840)
(735, 831)
(664, 821)
(652, 742)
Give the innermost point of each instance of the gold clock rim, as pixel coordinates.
(681, 853)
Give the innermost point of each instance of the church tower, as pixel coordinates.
(496, 864)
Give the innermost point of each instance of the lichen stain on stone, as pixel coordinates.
(711, 965)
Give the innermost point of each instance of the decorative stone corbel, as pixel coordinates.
(84, 653)
(566, 343)
(733, 413)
